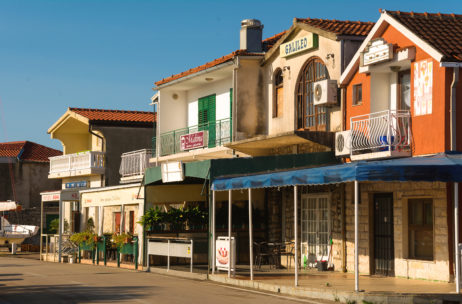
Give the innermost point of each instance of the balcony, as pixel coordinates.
(210, 135)
(77, 164)
(133, 165)
(381, 135)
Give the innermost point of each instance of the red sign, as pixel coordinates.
(192, 141)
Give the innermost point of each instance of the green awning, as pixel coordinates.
(211, 169)
(199, 169)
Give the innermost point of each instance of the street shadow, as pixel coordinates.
(10, 274)
(11, 265)
(12, 279)
(72, 293)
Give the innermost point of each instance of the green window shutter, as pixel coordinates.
(207, 117)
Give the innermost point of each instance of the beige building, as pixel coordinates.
(97, 148)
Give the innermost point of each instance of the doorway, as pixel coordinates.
(315, 233)
(384, 253)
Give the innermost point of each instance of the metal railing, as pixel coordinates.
(77, 161)
(216, 133)
(381, 131)
(134, 163)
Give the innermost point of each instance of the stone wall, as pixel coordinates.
(438, 269)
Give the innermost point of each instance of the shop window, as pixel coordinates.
(357, 94)
(278, 96)
(420, 212)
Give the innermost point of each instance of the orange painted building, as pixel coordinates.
(429, 130)
(398, 93)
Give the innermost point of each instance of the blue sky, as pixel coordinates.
(107, 54)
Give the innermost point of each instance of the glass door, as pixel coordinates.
(315, 233)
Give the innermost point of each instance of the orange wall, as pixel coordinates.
(430, 132)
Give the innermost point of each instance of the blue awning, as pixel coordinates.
(443, 167)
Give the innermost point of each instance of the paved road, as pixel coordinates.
(25, 280)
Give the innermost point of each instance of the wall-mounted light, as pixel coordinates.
(329, 56)
(208, 79)
(286, 68)
(175, 96)
(395, 68)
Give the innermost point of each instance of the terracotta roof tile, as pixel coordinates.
(115, 116)
(442, 31)
(27, 151)
(268, 43)
(355, 28)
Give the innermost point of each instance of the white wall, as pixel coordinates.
(223, 106)
(380, 92)
(173, 112)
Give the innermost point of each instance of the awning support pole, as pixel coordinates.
(356, 237)
(213, 233)
(41, 229)
(230, 199)
(296, 234)
(61, 221)
(456, 235)
(250, 235)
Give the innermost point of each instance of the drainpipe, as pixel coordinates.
(90, 129)
(234, 108)
(453, 127)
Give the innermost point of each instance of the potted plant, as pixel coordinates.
(153, 219)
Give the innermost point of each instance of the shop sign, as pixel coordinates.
(50, 197)
(423, 87)
(68, 195)
(172, 172)
(81, 184)
(299, 45)
(192, 141)
(223, 255)
(377, 51)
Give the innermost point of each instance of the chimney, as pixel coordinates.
(251, 35)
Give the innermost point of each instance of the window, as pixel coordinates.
(357, 94)
(420, 213)
(278, 95)
(131, 219)
(310, 117)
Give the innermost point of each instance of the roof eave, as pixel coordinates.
(199, 73)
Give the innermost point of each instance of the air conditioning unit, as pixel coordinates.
(325, 92)
(343, 143)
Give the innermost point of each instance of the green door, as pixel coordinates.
(207, 118)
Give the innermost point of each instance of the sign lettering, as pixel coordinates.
(192, 141)
(299, 45)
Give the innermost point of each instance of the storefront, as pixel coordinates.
(393, 203)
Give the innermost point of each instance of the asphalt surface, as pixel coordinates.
(24, 279)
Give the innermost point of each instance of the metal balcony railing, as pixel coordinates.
(134, 163)
(381, 131)
(77, 161)
(216, 133)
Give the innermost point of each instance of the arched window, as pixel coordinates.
(278, 94)
(310, 117)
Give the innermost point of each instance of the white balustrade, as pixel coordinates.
(135, 162)
(76, 161)
(381, 131)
